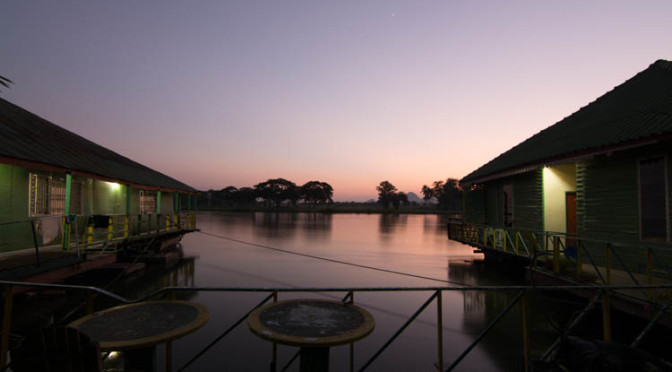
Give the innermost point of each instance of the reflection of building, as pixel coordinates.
(60, 189)
(602, 172)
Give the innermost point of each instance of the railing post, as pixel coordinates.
(606, 316)
(526, 332)
(6, 323)
(126, 222)
(579, 264)
(110, 228)
(89, 302)
(556, 255)
(649, 271)
(89, 236)
(37, 246)
(351, 295)
(439, 319)
(517, 242)
(608, 263)
(505, 237)
(274, 362)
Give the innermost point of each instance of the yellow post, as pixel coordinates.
(606, 317)
(175, 222)
(167, 223)
(6, 324)
(526, 333)
(556, 255)
(517, 241)
(89, 235)
(649, 271)
(110, 228)
(126, 222)
(505, 237)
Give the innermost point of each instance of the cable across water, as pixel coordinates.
(334, 260)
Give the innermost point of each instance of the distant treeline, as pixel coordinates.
(279, 193)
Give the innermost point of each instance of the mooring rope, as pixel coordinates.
(334, 260)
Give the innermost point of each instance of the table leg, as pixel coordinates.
(143, 359)
(314, 359)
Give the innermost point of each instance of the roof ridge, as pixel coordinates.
(662, 63)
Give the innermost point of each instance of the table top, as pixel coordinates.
(311, 323)
(142, 324)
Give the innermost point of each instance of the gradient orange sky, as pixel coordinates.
(219, 93)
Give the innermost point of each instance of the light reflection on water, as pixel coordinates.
(412, 244)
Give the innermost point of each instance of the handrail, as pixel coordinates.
(521, 289)
(652, 257)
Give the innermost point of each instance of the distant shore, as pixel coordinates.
(341, 207)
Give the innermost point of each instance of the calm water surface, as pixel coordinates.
(416, 245)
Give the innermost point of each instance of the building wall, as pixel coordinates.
(96, 198)
(527, 201)
(607, 198)
(608, 194)
(15, 228)
(558, 180)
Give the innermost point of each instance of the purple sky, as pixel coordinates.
(219, 93)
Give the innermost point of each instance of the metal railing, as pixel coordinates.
(583, 259)
(522, 297)
(103, 232)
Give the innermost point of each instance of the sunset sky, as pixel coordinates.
(217, 93)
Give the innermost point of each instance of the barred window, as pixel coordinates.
(147, 202)
(47, 196)
(653, 199)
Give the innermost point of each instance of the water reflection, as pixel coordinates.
(313, 250)
(391, 224)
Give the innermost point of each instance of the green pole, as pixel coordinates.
(158, 202)
(68, 190)
(189, 202)
(66, 228)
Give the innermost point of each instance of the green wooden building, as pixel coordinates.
(60, 189)
(601, 174)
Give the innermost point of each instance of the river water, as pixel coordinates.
(348, 250)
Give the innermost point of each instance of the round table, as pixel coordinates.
(142, 326)
(313, 325)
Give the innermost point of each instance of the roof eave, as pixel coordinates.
(564, 159)
(54, 168)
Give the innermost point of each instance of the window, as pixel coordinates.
(47, 196)
(147, 202)
(653, 199)
(508, 205)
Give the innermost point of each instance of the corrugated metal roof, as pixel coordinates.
(639, 109)
(26, 137)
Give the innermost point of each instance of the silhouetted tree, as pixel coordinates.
(275, 191)
(448, 194)
(317, 192)
(427, 193)
(402, 199)
(387, 194)
(245, 196)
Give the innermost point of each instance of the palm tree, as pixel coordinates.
(5, 82)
